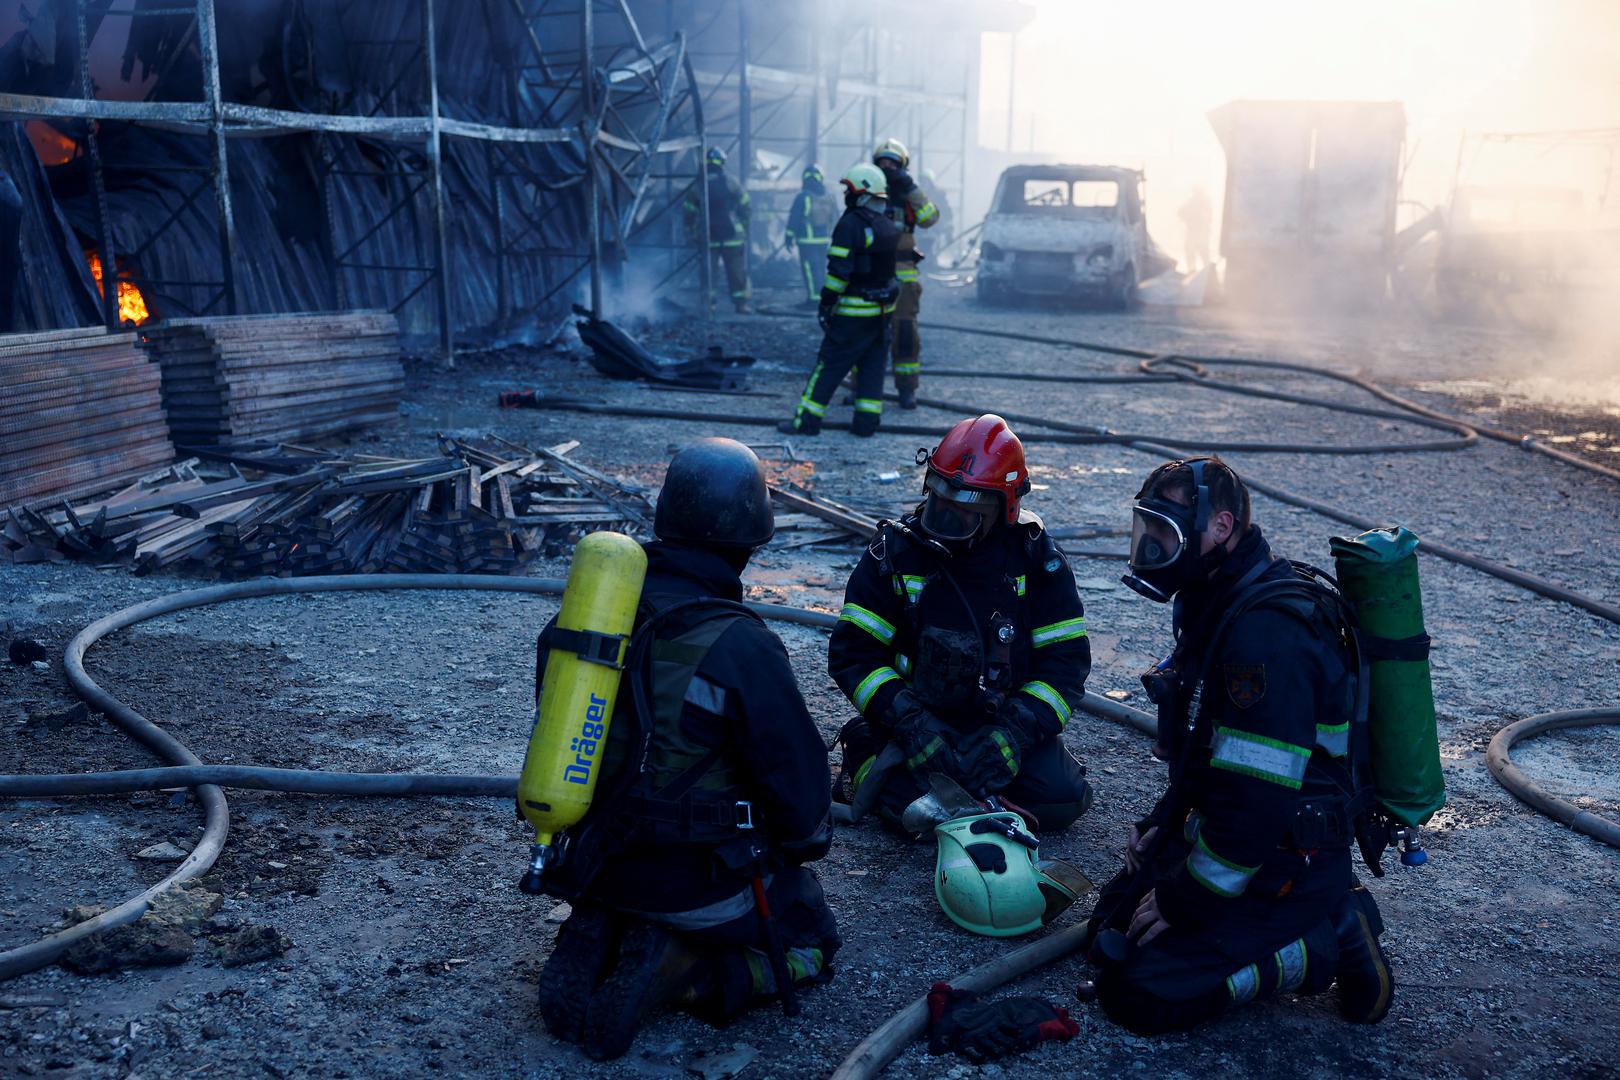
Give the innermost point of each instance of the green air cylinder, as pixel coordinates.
(1378, 574)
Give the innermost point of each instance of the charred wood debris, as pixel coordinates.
(288, 510)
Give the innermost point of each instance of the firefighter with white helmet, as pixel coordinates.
(857, 300)
(910, 208)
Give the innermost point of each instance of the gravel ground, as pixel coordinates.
(411, 952)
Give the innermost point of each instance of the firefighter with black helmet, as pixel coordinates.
(809, 228)
(962, 643)
(688, 874)
(729, 215)
(910, 208)
(1238, 885)
(857, 299)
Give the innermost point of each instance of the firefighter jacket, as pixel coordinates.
(910, 208)
(916, 618)
(741, 712)
(1269, 745)
(809, 218)
(861, 264)
(729, 211)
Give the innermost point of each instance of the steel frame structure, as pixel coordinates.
(610, 100)
(820, 84)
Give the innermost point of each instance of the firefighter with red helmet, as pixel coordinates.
(962, 643)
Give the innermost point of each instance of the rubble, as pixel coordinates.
(290, 510)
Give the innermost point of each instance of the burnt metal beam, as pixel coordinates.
(435, 155)
(208, 44)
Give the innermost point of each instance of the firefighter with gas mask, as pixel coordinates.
(910, 208)
(809, 228)
(857, 299)
(1238, 886)
(729, 215)
(688, 875)
(962, 644)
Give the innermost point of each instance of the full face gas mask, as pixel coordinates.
(1165, 538)
(957, 516)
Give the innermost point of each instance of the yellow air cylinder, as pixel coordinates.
(582, 673)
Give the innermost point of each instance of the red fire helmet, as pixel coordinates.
(983, 454)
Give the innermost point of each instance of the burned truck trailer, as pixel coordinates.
(1311, 193)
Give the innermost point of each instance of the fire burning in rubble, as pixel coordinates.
(53, 147)
(131, 304)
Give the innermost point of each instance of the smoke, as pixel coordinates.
(1133, 85)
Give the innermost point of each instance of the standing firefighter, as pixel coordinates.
(856, 302)
(910, 209)
(687, 874)
(1238, 885)
(962, 643)
(808, 226)
(728, 225)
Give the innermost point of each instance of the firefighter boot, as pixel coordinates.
(806, 423)
(655, 968)
(906, 387)
(1366, 987)
(586, 946)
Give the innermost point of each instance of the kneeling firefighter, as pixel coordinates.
(962, 643)
(1238, 885)
(687, 874)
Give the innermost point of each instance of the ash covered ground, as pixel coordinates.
(412, 953)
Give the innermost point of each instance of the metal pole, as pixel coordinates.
(109, 258)
(208, 42)
(435, 149)
(1012, 83)
(503, 302)
(745, 126)
(813, 152)
(587, 15)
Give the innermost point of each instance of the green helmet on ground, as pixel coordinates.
(987, 878)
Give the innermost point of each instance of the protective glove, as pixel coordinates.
(990, 760)
(824, 315)
(925, 738)
(983, 1031)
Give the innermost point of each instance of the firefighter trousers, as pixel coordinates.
(740, 974)
(729, 254)
(813, 265)
(905, 349)
(1184, 977)
(1051, 784)
(850, 341)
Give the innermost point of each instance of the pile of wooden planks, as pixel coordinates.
(76, 407)
(277, 378)
(290, 511)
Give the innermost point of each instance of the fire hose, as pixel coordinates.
(891, 1038)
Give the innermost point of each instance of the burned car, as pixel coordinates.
(1067, 230)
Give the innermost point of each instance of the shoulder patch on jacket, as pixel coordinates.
(1245, 683)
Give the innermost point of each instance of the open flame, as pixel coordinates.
(53, 147)
(131, 304)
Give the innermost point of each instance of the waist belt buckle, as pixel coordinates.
(745, 814)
